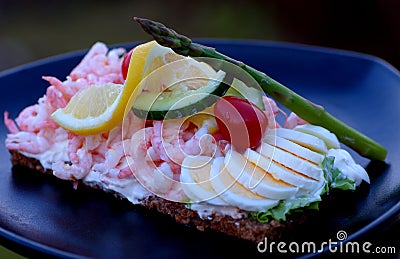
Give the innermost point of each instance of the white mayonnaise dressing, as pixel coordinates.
(346, 164)
(206, 211)
(57, 152)
(129, 188)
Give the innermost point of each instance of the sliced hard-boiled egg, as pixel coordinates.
(301, 138)
(328, 137)
(280, 172)
(294, 149)
(255, 179)
(233, 192)
(291, 161)
(195, 180)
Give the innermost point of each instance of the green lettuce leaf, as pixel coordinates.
(286, 207)
(335, 178)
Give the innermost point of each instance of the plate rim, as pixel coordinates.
(226, 41)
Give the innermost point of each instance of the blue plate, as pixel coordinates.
(40, 214)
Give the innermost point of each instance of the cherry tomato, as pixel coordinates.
(125, 63)
(240, 122)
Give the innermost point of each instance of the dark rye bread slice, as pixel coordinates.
(245, 228)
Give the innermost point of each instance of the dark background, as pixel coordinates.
(31, 30)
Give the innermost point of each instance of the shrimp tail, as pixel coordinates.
(10, 124)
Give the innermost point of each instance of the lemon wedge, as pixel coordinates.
(91, 110)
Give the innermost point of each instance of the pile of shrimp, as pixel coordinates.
(34, 132)
(151, 152)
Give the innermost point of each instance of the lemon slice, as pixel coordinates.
(146, 58)
(91, 110)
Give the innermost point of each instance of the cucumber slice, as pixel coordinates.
(240, 89)
(178, 104)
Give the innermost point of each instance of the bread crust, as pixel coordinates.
(245, 228)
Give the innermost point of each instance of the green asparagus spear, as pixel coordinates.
(313, 113)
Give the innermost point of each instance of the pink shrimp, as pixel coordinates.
(270, 106)
(143, 166)
(84, 68)
(28, 142)
(125, 173)
(120, 177)
(115, 167)
(157, 179)
(169, 143)
(10, 124)
(97, 63)
(103, 153)
(97, 145)
(55, 98)
(35, 143)
(112, 158)
(75, 142)
(271, 110)
(35, 118)
(112, 144)
(74, 172)
(293, 120)
(59, 93)
(162, 138)
(80, 160)
(131, 124)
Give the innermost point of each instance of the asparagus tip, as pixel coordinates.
(163, 35)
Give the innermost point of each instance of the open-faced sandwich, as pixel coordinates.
(196, 139)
